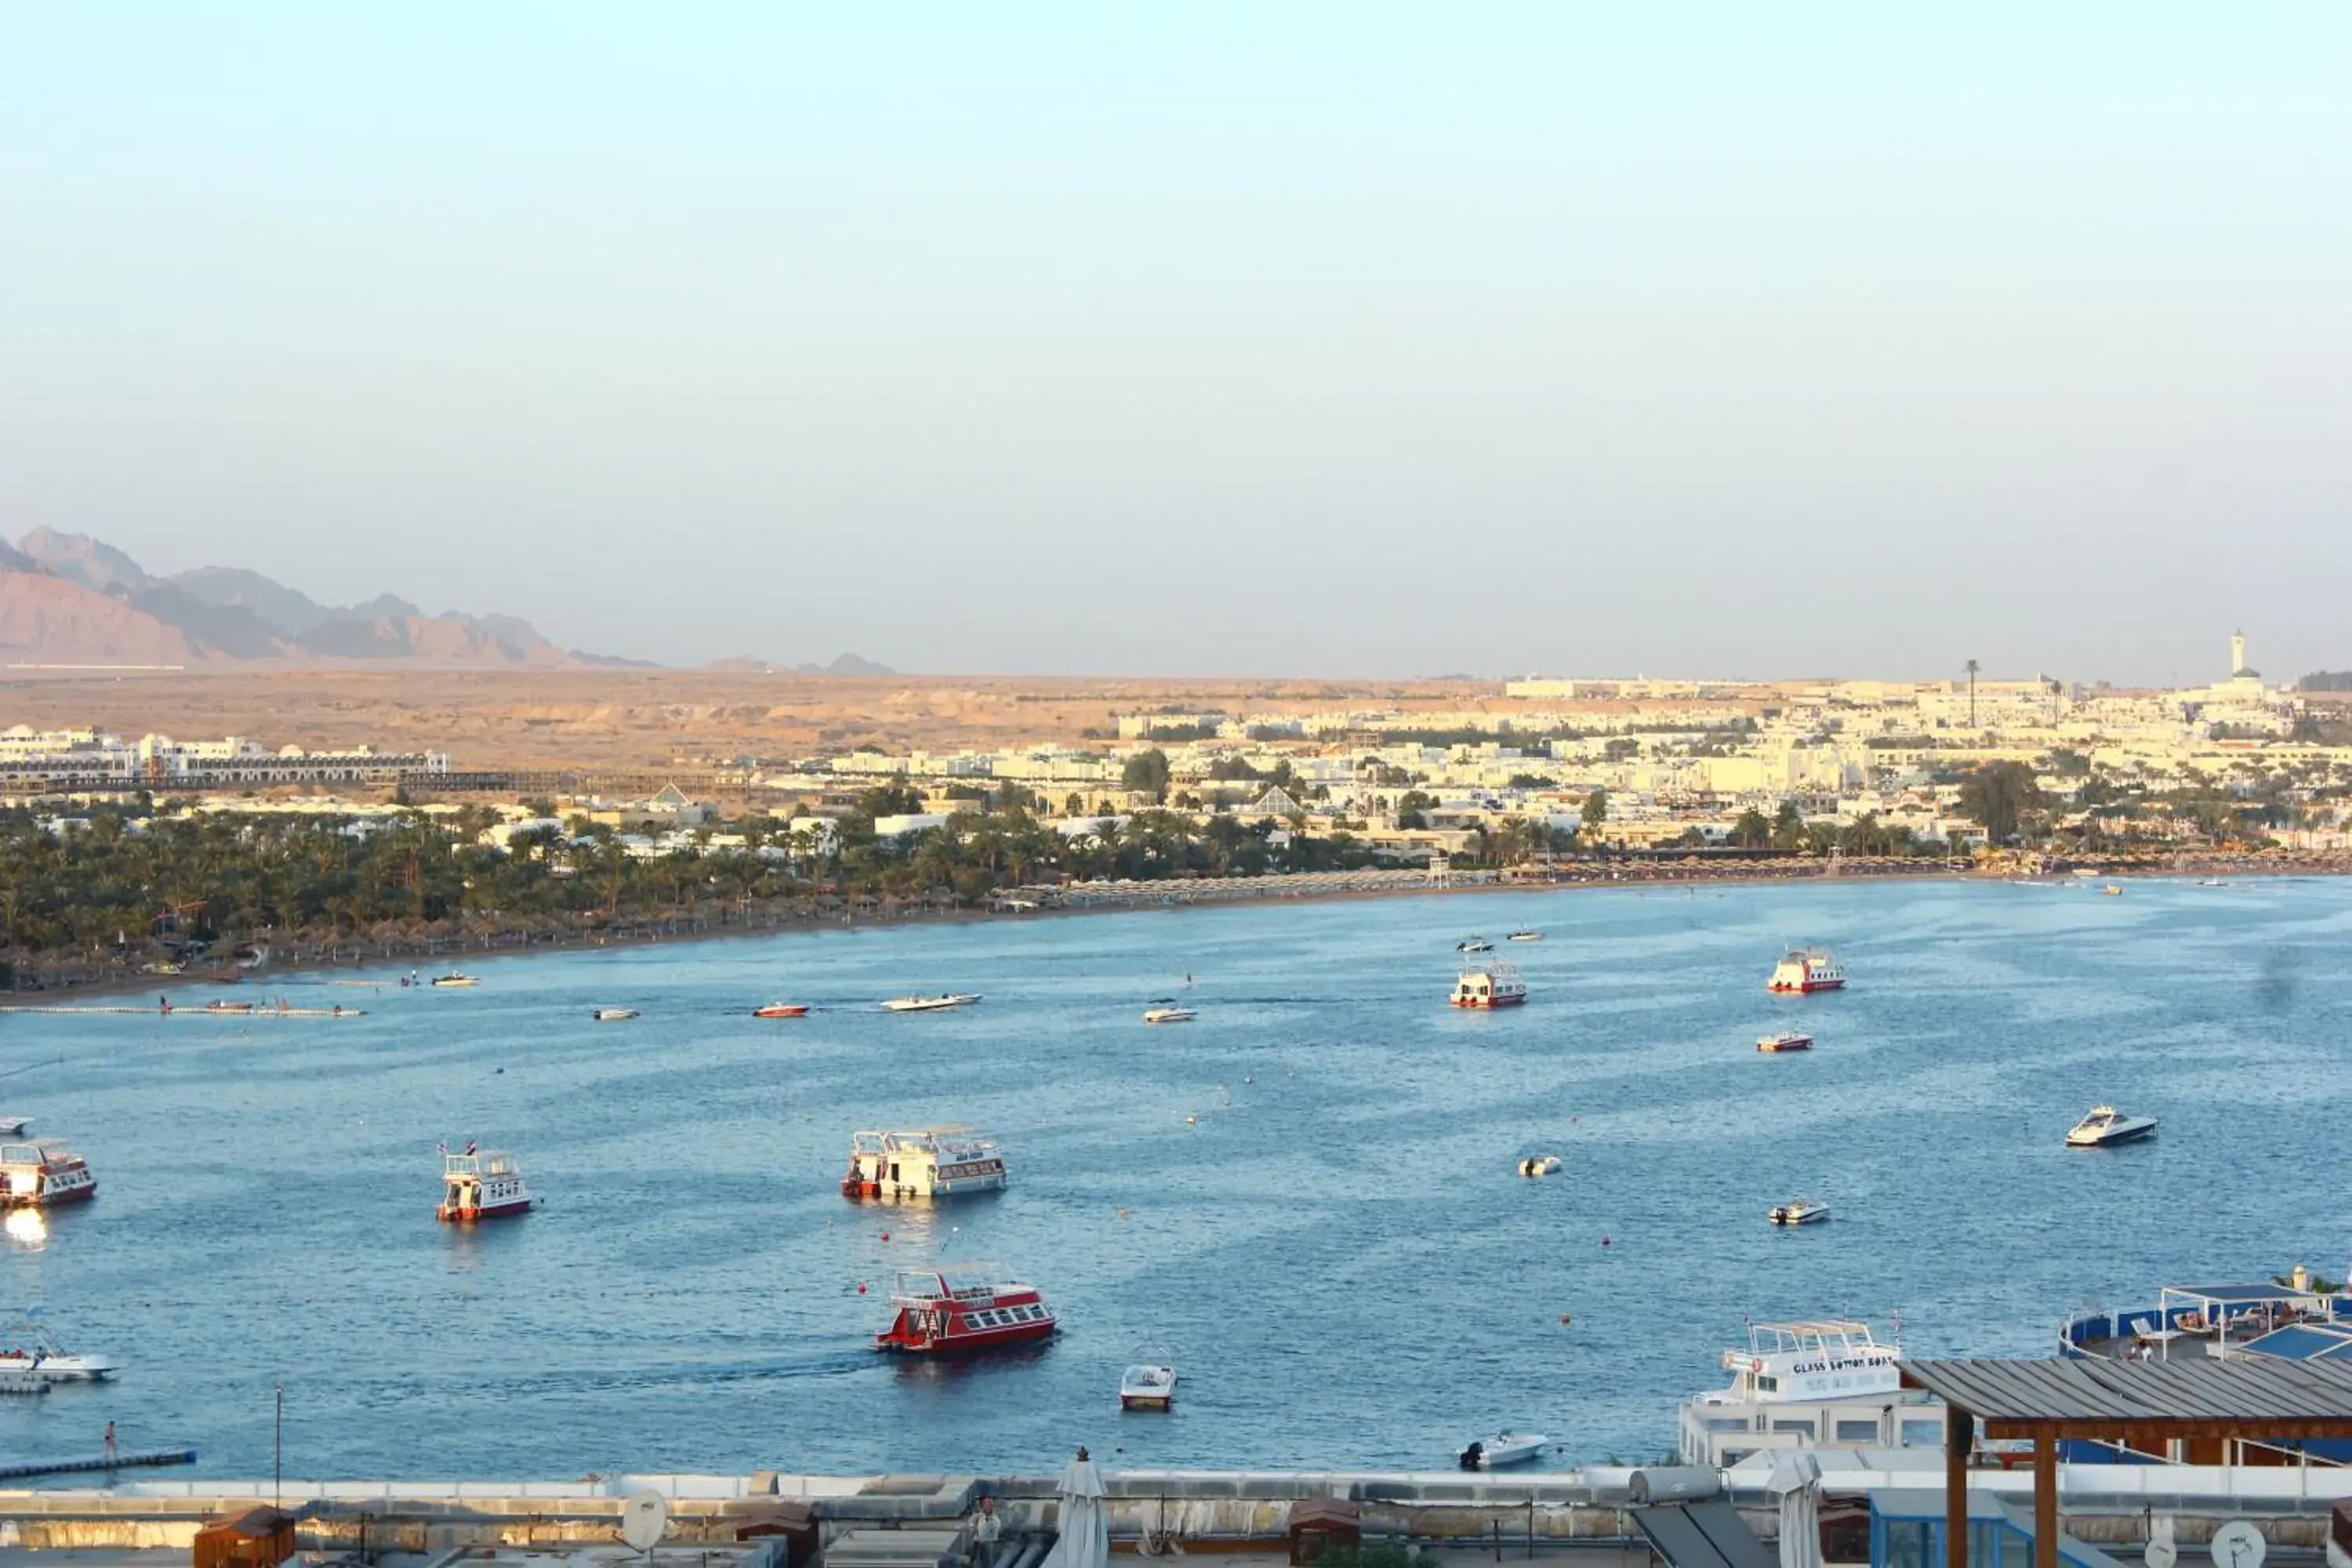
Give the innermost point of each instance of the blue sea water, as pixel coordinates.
(1308, 1194)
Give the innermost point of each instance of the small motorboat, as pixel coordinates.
(14, 1126)
(32, 1350)
(1786, 1040)
(614, 1014)
(1503, 1449)
(454, 977)
(1539, 1165)
(1150, 1381)
(1170, 1013)
(1474, 944)
(780, 1010)
(2105, 1127)
(1526, 936)
(228, 1006)
(1800, 1211)
(2112, 890)
(931, 1003)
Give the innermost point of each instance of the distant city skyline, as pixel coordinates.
(1334, 341)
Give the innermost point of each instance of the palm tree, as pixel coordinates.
(1971, 668)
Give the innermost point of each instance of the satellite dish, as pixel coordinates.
(645, 1518)
(2238, 1544)
(2161, 1551)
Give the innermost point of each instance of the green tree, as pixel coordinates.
(1146, 772)
(1997, 796)
(1595, 812)
(1753, 830)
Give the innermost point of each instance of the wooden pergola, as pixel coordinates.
(2143, 1403)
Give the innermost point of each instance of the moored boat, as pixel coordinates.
(923, 1163)
(1169, 1013)
(780, 1010)
(1539, 1165)
(484, 1184)
(1526, 936)
(931, 1003)
(2105, 1127)
(1800, 1211)
(1823, 1383)
(1786, 1040)
(1503, 1449)
(43, 1174)
(14, 1126)
(1150, 1381)
(961, 1307)
(614, 1014)
(29, 1349)
(1474, 943)
(228, 1006)
(1489, 985)
(1804, 970)
(454, 977)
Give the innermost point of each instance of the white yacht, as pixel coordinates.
(1819, 1384)
(941, 1002)
(1800, 1211)
(28, 1348)
(2107, 1127)
(614, 1014)
(1503, 1449)
(1169, 1013)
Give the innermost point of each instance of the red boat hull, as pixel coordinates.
(454, 1215)
(1005, 1338)
(50, 1200)
(1488, 1004)
(1809, 987)
(779, 1013)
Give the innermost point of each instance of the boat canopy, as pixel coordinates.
(2304, 1341)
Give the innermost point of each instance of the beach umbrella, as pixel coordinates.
(1796, 1482)
(1085, 1539)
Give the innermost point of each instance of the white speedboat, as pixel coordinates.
(1526, 936)
(1800, 1211)
(1503, 1449)
(1168, 1014)
(1148, 1382)
(454, 977)
(1474, 944)
(14, 1126)
(2106, 1126)
(614, 1014)
(1786, 1040)
(931, 1003)
(28, 1348)
(1539, 1165)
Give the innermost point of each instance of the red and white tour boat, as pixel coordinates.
(43, 1175)
(1803, 969)
(963, 1307)
(1489, 985)
(1786, 1040)
(481, 1186)
(927, 1163)
(780, 1010)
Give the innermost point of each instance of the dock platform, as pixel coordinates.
(128, 1459)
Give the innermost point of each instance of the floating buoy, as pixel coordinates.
(1604, 1241)
(861, 1287)
(1566, 1320)
(1191, 1121)
(885, 1235)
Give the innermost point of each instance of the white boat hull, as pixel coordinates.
(1509, 1448)
(60, 1368)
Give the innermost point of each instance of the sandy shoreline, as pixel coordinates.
(311, 967)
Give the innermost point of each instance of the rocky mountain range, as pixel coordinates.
(71, 598)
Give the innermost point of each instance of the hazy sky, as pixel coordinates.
(1283, 338)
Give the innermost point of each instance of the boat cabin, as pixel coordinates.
(42, 1175)
(926, 1163)
(1489, 985)
(1814, 1383)
(964, 1307)
(485, 1185)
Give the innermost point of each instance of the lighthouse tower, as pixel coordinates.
(2237, 653)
